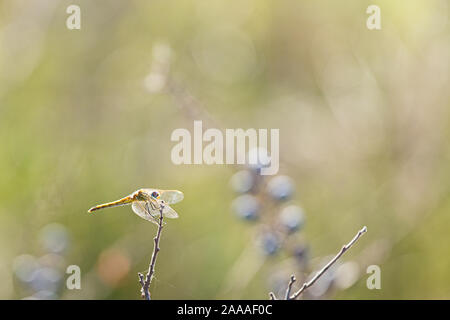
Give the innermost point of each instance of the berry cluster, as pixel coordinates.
(43, 277)
(267, 203)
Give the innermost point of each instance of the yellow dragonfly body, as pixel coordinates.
(147, 203)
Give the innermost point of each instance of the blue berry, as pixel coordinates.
(258, 158)
(292, 218)
(246, 207)
(281, 188)
(54, 238)
(270, 243)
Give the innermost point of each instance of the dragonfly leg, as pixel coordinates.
(149, 212)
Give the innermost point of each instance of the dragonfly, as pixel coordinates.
(147, 203)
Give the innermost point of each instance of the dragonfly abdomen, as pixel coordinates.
(121, 202)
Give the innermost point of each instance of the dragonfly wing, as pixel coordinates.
(144, 210)
(168, 212)
(171, 196)
(150, 211)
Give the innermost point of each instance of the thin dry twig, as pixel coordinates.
(308, 284)
(145, 284)
(329, 264)
(289, 288)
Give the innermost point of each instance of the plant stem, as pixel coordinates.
(145, 284)
(308, 284)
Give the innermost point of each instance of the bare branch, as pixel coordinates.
(308, 284)
(151, 269)
(289, 288)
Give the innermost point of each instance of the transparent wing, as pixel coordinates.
(171, 196)
(169, 212)
(150, 211)
(143, 210)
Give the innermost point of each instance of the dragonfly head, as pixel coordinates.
(155, 195)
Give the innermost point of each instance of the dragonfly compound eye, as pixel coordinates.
(155, 194)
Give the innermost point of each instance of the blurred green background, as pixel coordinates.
(86, 117)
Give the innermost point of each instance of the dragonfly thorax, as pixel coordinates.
(145, 195)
